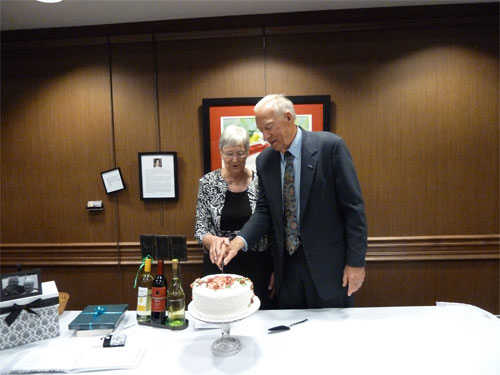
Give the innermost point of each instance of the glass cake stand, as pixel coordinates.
(226, 345)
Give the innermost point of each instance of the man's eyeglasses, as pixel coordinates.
(230, 155)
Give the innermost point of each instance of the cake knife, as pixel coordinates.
(285, 328)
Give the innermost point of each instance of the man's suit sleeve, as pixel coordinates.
(259, 223)
(351, 205)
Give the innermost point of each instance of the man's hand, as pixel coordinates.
(270, 287)
(354, 277)
(228, 251)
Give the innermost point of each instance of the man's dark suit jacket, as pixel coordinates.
(332, 218)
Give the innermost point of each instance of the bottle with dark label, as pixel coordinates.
(144, 293)
(158, 296)
(176, 299)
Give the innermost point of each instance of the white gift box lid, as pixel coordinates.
(49, 290)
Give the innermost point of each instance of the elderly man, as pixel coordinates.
(310, 195)
(13, 287)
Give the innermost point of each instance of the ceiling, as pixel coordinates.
(31, 14)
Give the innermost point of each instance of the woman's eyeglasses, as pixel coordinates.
(230, 155)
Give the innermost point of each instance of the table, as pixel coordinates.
(443, 339)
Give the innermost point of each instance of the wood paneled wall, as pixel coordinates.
(56, 138)
(416, 102)
(419, 111)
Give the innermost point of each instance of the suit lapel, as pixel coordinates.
(273, 190)
(308, 170)
(275, 193)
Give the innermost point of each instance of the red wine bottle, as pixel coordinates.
(158, 296)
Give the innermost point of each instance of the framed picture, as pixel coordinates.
(21, 284)
(112, 180)
(158, 175)
(313, 114)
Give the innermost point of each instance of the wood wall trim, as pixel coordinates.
(69, 42)
(380, 249)
(428, 248)
(44, 254)
(115, 39)
(142, 38)
(384, 25)
(330, 21)
(210, 34)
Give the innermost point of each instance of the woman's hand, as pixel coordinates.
(214, 245)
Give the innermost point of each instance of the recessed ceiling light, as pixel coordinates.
(49, 1)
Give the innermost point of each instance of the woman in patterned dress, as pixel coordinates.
(226, 199)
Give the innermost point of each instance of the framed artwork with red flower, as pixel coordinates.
(313, 114)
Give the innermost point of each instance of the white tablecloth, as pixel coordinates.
(445, 339)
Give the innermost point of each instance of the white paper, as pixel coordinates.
(112, 180)
(158, 176)
(91, 359)
(121, 357)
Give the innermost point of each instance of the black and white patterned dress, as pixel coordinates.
(256, 263)
(211, 198)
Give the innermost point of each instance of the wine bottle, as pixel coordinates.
(176, 299)
(158, 296)
(144, 293)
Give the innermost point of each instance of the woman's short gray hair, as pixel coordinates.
(234, 136)
(279, 103)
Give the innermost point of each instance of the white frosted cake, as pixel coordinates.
(222, 297)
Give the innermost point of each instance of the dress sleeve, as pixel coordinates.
(202, 212)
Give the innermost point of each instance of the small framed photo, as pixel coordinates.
(21, 284)
(112, 180)
(158, 175)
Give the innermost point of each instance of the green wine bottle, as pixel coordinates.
(176, 299)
